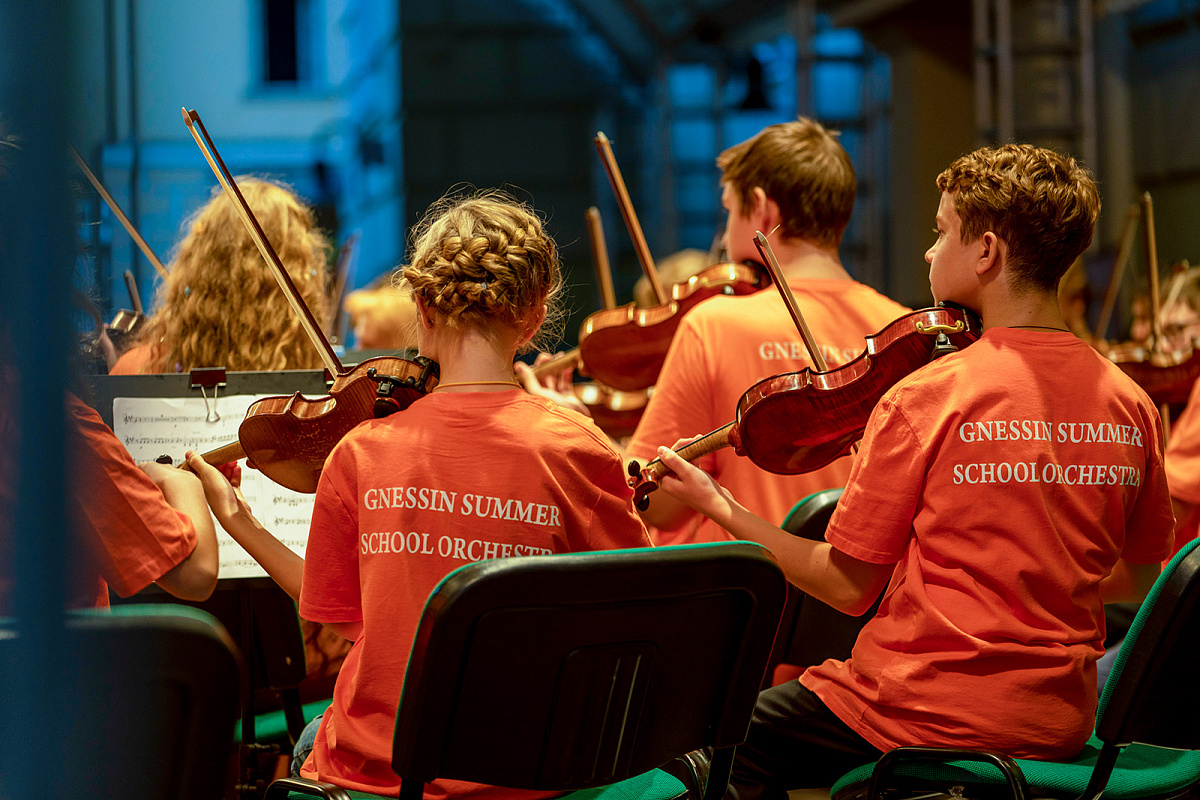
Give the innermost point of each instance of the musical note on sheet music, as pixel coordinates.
(152, 426)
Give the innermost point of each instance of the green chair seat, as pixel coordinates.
(272, 726)
(652, 785)
(1141, 771)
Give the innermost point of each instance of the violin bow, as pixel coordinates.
(595, 228)
(307, 320)
(119, 214)
(345, 266)
(1128, 229)
(789, 300)
(1151, 244)
(604, 148)
(131, 287)
(600, 257)
(717, 248)
(1157, 341)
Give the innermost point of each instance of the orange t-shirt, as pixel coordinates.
(723, 347)
(128, 534)
(134, 361)
(1183, 465)
(1004, 481)
(407, 499)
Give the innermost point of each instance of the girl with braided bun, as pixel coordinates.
(220, 306)
(476, 469)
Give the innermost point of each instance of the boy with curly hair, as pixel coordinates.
(1002, 495)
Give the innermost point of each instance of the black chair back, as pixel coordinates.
(1146, 697)
(151, 694)
(573, 671)
(812, 631)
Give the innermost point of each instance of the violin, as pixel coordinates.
(1166, 376)
(625, 347)
(1164, 370)
(288, 438)
(126, 323)
(615, 412)
(801, 421)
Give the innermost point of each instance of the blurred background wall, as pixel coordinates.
(372, 109)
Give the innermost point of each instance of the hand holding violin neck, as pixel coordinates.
(644, 480)
(558, 363)
(222, 455)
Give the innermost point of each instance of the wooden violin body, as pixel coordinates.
(614, 412)
(1165, 375)
(801, 421)
(288, 437)
(842, 399)
(624, 347)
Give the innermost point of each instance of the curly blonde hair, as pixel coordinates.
(221, 304)
(804, 169)
(1041, 203)
(486, 259)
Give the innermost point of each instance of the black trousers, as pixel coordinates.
(795, 742)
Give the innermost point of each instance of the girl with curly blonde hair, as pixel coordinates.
(476, 469)
(221, 306)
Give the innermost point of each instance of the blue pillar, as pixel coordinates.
(37, 244)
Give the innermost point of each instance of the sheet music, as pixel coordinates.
(152, 426)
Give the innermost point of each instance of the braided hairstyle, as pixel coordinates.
(486, 259)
